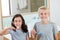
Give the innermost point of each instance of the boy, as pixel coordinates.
(45, 29)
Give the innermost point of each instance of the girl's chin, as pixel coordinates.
(17, 26)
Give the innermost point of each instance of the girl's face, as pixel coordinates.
(44, 14)
(17, 22)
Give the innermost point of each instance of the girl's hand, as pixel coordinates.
(5, 31)
(11, 28)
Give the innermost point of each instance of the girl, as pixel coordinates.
(45, 29)
(18, 30)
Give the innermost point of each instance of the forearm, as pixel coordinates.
(0, 34)
(27, 38)
(4, 32)
(56, 37)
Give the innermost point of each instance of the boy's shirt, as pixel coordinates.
(45, 31)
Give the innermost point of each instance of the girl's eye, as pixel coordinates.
(15, 21)
(19, 21)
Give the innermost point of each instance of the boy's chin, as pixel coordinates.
(44, 19)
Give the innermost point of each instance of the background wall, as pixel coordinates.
(5, 7)
(30, 20)
(55, 11)
(12, 6)
(0, 20)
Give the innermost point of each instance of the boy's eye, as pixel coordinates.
(45, 13)
(41, 13)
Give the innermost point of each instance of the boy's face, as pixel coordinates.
(44, 14)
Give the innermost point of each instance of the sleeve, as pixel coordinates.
(35, 27)
(27, 34)
(55, 30)
(10, 31)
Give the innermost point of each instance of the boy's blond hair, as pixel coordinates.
(42, 8)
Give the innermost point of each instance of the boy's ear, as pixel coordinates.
(48, 14)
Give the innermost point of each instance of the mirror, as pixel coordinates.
(15, 6)
(24, 6)
(11, 7)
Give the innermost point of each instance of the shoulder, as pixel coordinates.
(37, 23)
(10, 31)
(52, 23)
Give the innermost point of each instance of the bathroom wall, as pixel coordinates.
(0, 21)
(55, 11)
(30, 20)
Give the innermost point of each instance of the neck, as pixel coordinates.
(44, 22)
(18, 28)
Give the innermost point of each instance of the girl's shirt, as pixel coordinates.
(18, 35)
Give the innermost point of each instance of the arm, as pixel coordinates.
(33, 33)
(5, 31)
(55, 32)
(56, 37)
(27, 38)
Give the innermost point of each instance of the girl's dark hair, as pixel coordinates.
(23, 27)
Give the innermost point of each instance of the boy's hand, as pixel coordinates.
(33, 33)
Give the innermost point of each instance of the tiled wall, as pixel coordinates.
(29, 19)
